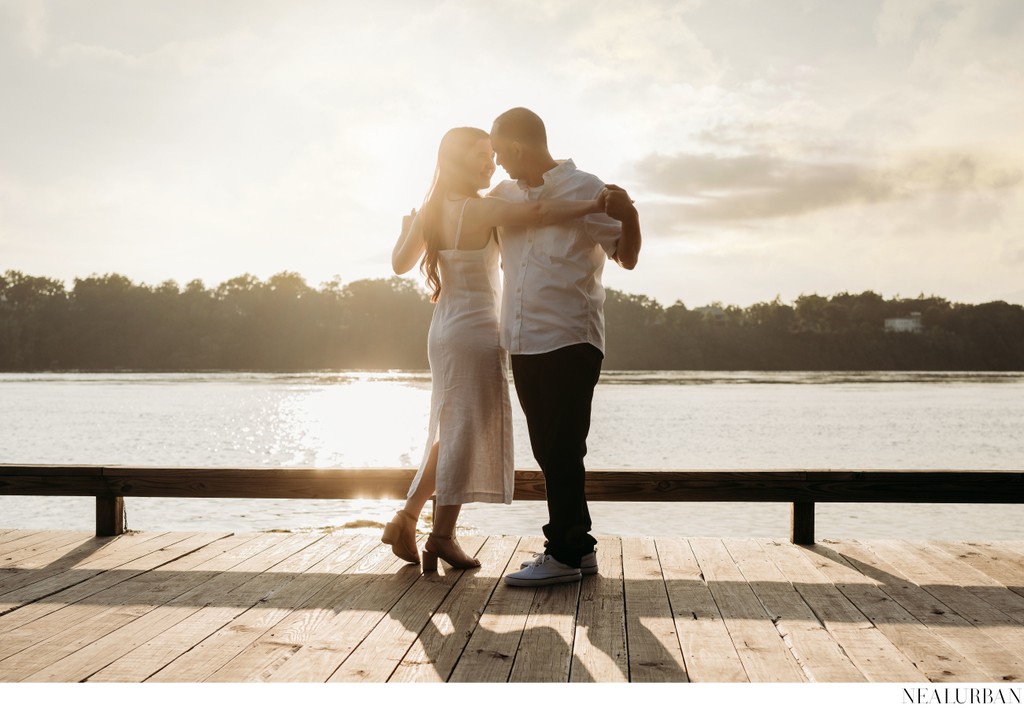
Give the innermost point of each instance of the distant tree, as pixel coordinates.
(283, 324)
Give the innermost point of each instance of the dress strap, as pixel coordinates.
(458, 229)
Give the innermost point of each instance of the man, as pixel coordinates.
(552, 324)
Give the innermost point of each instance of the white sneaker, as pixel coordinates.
(543, 570)
(588, 563)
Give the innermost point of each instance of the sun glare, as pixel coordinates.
(362, 422)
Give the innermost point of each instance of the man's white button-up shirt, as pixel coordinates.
(553, 296)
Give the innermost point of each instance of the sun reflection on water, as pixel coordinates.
(361, 422)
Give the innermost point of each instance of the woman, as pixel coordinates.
(469, 446)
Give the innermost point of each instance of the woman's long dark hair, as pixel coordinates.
(448, 176)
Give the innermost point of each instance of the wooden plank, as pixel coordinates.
(315, 634)
(998, 561)
(654, 650)
(7, 535)
(72, 627)
(708, 650)
(956, 572)
(46, 550)
(49, 563)
(877, 594)
(199, 632)
(973, 626)
(548, 632)
(172, 664)
(102, 606)
(1015, 545)
(869, 649)
(223, 598)
(121, 559)
(761, 648)
(319, 658)
(14, 549)
(599, 646)
(491, 651)
(816, 651)
(442, 641)
(377, 657)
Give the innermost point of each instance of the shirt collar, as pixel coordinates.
(555, 174)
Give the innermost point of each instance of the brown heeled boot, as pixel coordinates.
(400, 534)
(448, 549)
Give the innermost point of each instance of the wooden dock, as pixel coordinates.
(202, 607)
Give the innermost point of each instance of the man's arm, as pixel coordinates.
(620, 207)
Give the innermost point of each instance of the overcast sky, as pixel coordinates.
(774, 147)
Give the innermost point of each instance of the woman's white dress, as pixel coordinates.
(470, 412)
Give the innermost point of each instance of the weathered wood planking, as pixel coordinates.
(220, 599)
(337, 607)
(197, 663)
(951, 610)
(27, 584)
(443, 639)
(819, 654)
(491, 650)
(897, 607)
(132, 556)
(76, 626)
(599, 645)
(874, 655)
(708, 650)
(654, 650)
(761, 648)
(380, 653)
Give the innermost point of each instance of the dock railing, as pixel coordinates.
(801, 488)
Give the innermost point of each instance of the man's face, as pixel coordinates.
(508, 154)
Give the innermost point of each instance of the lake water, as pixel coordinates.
(642, 420)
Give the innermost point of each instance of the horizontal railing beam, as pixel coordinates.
(916, 486)
(801, 488)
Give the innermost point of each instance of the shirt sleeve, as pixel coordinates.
(603, 230)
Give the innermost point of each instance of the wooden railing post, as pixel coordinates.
(801, 530)
(109, 516)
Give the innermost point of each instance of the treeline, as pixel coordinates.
(108, 323)
(844, 332)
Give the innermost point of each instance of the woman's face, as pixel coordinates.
(479, 164)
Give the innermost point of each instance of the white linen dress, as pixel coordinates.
(470, 412)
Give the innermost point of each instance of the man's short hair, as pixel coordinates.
(521, 125)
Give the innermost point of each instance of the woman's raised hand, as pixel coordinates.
(409, 246)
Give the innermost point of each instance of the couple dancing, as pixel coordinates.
(553, 226)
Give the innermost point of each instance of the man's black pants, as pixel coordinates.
(556, 390)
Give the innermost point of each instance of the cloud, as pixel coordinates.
(709, 187)
(640, 42)
(898, 19)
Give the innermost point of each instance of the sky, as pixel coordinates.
(774, 147)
